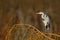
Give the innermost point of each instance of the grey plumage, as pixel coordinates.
(46, 20)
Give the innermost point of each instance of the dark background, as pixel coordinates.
(24, 11)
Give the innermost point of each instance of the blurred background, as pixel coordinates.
(24, 12)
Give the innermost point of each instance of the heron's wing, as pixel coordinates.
(47, 17)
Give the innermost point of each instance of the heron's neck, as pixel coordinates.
(42, 15)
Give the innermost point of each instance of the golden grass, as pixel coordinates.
(38, 34)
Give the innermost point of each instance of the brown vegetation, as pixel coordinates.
(24, 12)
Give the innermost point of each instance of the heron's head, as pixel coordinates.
(41, 13)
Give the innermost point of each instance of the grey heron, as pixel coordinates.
(46, 20)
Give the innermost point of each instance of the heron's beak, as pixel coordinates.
(37, 13)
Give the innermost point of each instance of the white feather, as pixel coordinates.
(45, 18)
